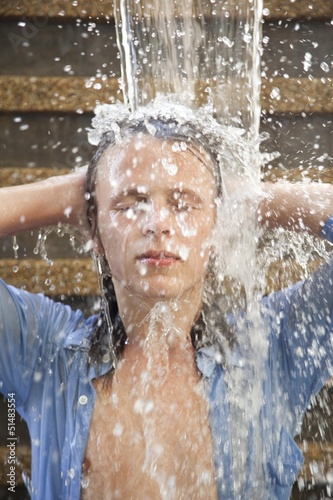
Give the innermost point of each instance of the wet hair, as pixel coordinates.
(168, 130)
(206, 330)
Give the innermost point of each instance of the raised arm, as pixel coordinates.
(297, 207)
(48, 202)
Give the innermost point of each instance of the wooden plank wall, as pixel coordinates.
(59, 58)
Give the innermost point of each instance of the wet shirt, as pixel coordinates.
(44, 361)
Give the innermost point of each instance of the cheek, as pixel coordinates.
(114, 227)
(195, 225)
(203, 228)
(187, 225)
(112, 236)
(200, 245)
(115, 245)
(116, 233)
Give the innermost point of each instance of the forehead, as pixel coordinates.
(145, 160)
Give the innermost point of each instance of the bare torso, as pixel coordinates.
(149, 434)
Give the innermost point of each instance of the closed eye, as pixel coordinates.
(135, 205)
(184, 206)
(185, 200)
(143, 206)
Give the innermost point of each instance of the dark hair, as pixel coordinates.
(164, 129)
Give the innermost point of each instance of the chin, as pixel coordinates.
(158, 288)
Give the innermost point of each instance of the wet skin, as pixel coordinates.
(150, 435)
(155, 203)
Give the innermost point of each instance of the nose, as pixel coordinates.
(157, 221)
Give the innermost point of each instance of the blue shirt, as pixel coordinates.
(44, 361)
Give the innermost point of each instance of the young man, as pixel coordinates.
(136, 404)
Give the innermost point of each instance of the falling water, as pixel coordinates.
(196, 50)
(202, 52)
(207, 53)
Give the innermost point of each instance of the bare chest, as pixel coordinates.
(149, 440)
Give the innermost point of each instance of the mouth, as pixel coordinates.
(158, 258)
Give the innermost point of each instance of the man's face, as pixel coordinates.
(156, 213)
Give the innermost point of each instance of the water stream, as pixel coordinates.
(196, 51)
(207, 53)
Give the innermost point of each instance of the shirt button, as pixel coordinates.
(83, 400)
(106, 358)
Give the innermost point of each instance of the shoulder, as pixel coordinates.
(308, 302)
(40, 315)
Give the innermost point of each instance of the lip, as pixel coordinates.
(158, 258)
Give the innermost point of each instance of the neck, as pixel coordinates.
(150, 321)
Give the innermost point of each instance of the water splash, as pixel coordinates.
(76, 241)
(162, 336)
(194, 52)
(15, 247)
(209, 52)
(40, 247)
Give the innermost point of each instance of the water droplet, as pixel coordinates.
(229, 43)
(68, 211)
(142, 269)
(307, 63)
(184, 252)
(118, 429)
(325, 67)
(275, 93)
(85, 482)
(38, 376)
(171, 168)
(71, 473)
(247, 37)
(130, 213)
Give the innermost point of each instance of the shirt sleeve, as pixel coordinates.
(31, 327)
(301, 341)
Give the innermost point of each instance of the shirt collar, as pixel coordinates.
(80, 338)
(208, 358)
